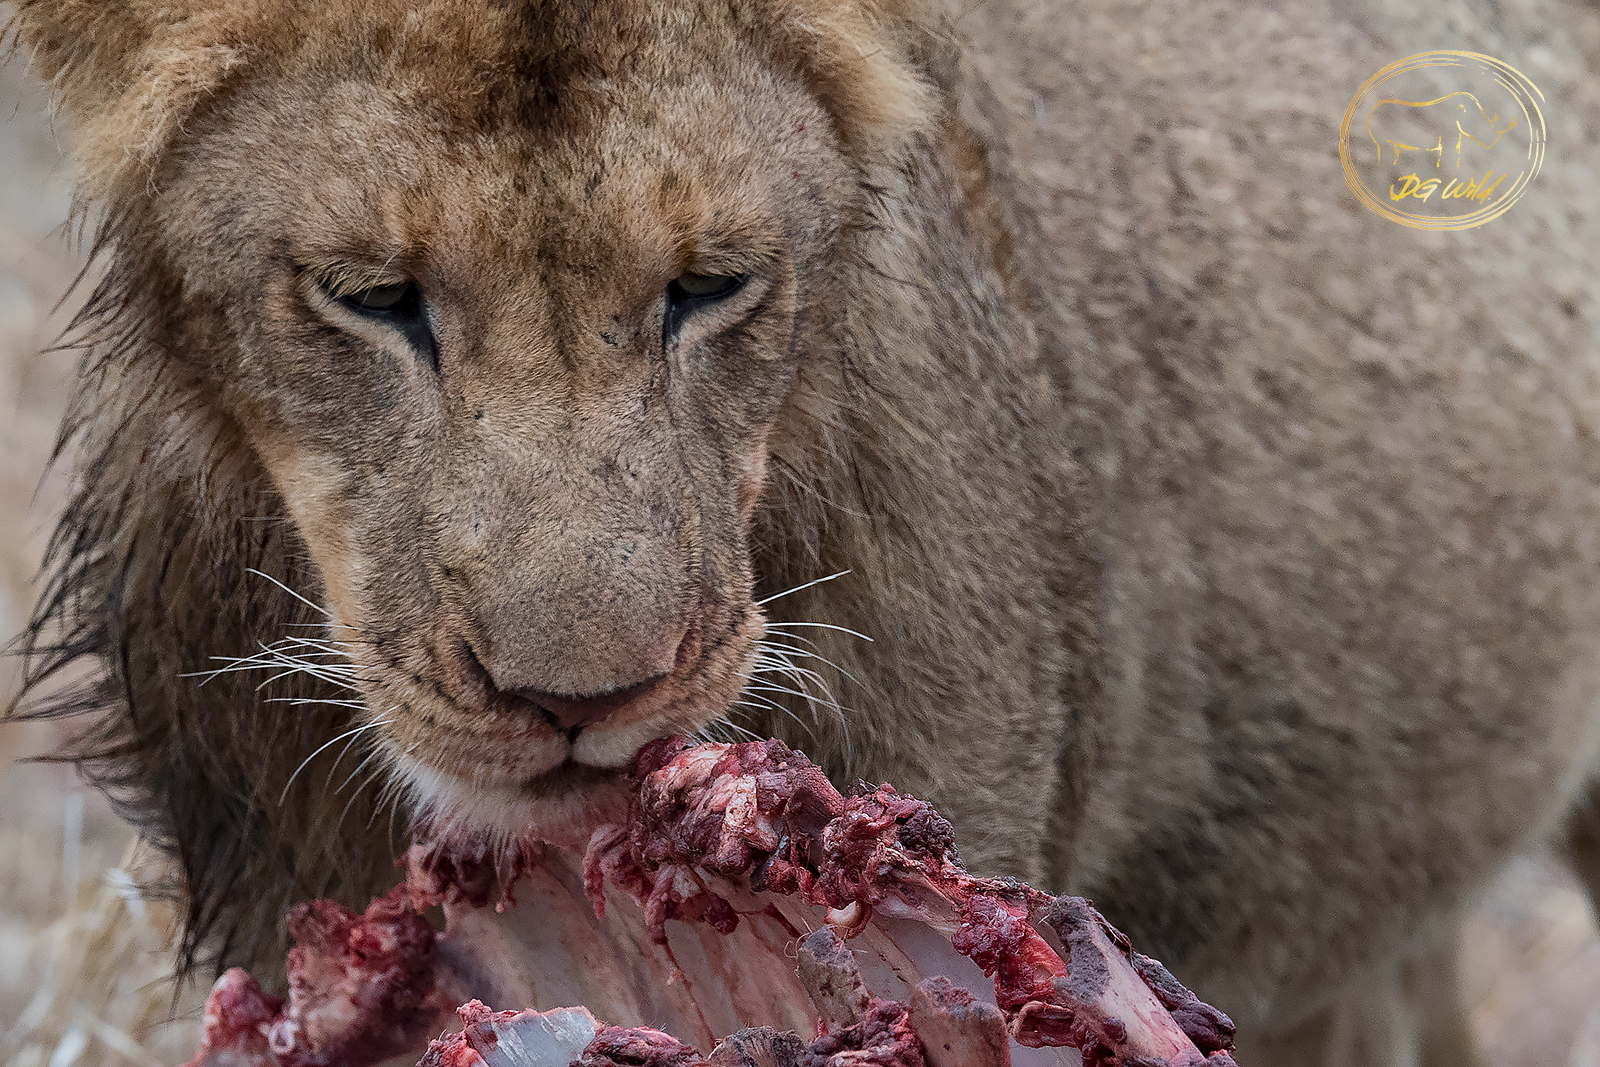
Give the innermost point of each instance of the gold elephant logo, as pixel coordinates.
(1453, 139)
(1453, 119)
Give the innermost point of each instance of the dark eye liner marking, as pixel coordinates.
(402, 307)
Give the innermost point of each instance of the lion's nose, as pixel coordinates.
(587, 709)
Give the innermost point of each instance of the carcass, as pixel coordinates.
(745, 908)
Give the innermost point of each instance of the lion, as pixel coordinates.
(527, 379)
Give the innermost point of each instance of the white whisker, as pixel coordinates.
(390, 793)
(356, 793)
(798, 588)
(321, 643)
(738, 730)
(331, 702)
(349, 733)
(758, 701)
(820, 626)
(291, 592)
(796, 651)
(359, 766)
(326, 676)
(801, 676)
(344, 811)
(279, 655)
(783, 710)
(773, 661)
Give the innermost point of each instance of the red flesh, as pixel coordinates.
(762, 815)
(764, 812)
(359, 991)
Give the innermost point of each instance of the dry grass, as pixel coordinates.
(82, 971)
(100, 982)
(82, 955)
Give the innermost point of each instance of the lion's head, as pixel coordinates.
(500, 306)
(513, 365)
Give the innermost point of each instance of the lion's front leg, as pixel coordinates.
(1406, 1012)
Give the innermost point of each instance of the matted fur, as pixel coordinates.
(1229, 552)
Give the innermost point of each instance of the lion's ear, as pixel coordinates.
(863, 59)
(88, 51)
(125, 72)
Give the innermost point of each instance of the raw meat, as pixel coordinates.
(360, 990)
(693, 916)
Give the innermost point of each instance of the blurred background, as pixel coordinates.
(82, 974)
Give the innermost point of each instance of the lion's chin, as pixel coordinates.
(562, 806)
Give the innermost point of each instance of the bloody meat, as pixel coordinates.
(709, 822)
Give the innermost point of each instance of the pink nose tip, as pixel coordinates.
(578, 711)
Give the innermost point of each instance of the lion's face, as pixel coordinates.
(511, 347)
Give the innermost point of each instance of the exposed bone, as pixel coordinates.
(1105, 996)
(691, 917)
(957, 1029)
(829, 971)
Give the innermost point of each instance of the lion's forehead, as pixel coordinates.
(645, 172)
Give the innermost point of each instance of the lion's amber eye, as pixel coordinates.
(688, 291)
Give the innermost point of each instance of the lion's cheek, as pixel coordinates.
(316, 490)
(752, 478)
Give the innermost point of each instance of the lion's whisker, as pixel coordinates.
(799, 588)
(286, 654)
(780, 708)
(318, 642)
(353, 735)
(740, 730)
(331, 701)
(356, 793)
(390, 794)
(354, 796)
(725, 731)
(310, 604)
(812, 702)
(775, 646)
(771, 662)
(819, 625)
(344, 784)
(307, 670)
(802, 676)
(349, 733)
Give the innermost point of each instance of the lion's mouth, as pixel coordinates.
(485, 762)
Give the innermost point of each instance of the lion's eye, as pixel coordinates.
(689, 291)
(400, 306)
(381, 297)
(708, 286)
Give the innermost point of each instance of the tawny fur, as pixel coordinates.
(1230, 552)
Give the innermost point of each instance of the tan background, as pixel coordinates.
(80, 956)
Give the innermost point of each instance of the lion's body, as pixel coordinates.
(1232, 554)
(1347, 489)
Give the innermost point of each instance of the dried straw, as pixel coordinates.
(105, 989)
